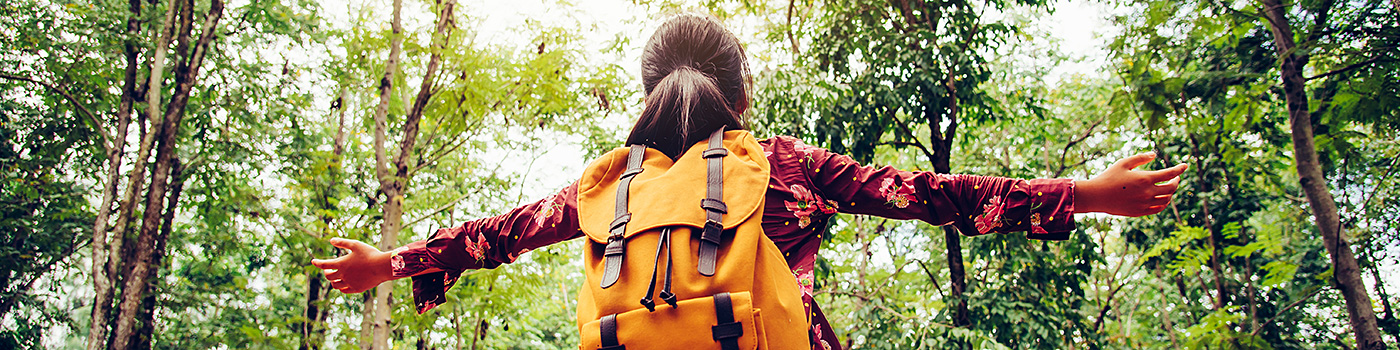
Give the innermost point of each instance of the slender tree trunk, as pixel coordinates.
(367, 320)
(1250, 295)
(1216, 270)
(116, 250)
(186, 73)
(1166, 316)
(942, 141)
(1346, 272)
(312, 330)
(144, 335)
(101, 280)
(396, 186)
(389, 229)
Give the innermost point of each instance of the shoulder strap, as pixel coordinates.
(612, 266)
(713, 204)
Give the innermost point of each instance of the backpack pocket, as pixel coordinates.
(692, 324)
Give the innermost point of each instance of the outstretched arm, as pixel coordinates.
(974, 204)
(435, 263)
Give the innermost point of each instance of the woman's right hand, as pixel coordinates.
(1120, 190)
(364, 268)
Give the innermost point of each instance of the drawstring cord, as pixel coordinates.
(670, 298)
(666, 294)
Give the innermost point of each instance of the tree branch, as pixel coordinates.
(910, 133)
(1285, 309)
(107, 142)
(1349, 67)
(796, 51)
(1077, 140)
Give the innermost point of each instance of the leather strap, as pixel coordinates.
(713, 204)
(727, 332)
(617, 242)
(607, 328)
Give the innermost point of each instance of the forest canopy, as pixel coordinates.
(170, 167)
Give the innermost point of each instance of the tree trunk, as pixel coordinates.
(186, 72)
(367, 320)
(148, 305)
(389, 229)
(101, 280)
(1345, 269)
(1250, 295)
(942, 163)
(312, 331)
(116, 250)
(396, 185)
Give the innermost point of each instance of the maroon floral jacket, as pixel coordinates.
(808, 186)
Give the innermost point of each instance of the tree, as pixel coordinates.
(900, 69)
(1242, 38)
(1310, 176)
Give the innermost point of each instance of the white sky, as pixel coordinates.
(1077, 24)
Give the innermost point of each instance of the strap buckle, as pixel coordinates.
(713, 230)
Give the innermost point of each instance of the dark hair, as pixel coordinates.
(694, 72)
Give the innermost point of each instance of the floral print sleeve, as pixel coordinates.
(976, 205)
(485, 243)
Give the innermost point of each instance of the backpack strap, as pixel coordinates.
(617, 245)
(713, 204)
(727, 331)
(607, 328)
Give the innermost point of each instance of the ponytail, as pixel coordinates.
(694, 72)
(681, 110)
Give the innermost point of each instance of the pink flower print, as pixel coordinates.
(817, 334)
(478, 249)
(551, 208)
(517, 255)
(991, 215)
(897, 196)
(427, 305)
(803, 149)
(447, 284)
(1035, 224)
(804, 281)
(806, 205)
(396, 263)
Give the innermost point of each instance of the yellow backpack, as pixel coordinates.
(683, 262)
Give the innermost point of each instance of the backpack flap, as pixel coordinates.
(669, 193)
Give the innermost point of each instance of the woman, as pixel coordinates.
(694, 74)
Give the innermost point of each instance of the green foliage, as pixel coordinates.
(44, 216)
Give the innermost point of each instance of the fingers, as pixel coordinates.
(1167, 188)
(1135, 161)
(326, 264)
(347, 244)
(1160, 201)
(1168, 173)
(340, 285)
